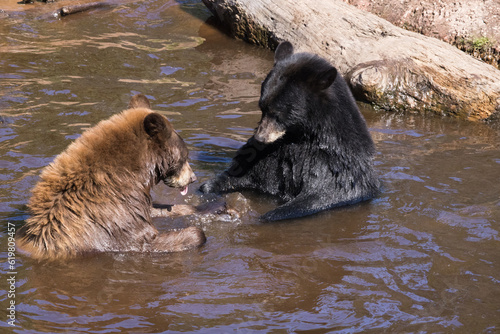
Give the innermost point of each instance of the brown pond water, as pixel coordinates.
(421, 258)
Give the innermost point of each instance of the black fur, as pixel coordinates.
(322, 157)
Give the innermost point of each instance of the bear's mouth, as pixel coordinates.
(184, 191)
(181, 179)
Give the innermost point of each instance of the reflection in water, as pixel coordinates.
(422, 257)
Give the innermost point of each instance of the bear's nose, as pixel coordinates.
(192, 178)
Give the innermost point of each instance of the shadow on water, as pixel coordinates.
(422, 257)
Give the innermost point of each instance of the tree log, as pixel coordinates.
(392, 68)
(72, 9)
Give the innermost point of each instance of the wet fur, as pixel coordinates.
(312, 148)
(95, 196)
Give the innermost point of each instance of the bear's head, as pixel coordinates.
(297, 85)
(169, 152)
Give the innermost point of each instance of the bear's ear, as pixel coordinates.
(325, 79)
(284, 50)
(156, 126)
(139, 101)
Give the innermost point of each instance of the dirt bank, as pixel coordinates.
(472, 25)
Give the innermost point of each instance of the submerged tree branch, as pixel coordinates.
(72, 9)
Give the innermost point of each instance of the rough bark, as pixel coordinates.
(393, 68)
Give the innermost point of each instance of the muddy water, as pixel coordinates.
(422, 257)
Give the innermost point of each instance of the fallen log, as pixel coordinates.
(72, 9)
(392, 68)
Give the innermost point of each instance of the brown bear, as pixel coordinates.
(95, 196)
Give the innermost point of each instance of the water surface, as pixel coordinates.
(420, 258)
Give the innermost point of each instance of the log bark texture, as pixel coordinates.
(393, 68)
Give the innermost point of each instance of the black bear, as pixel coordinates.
(312, 148)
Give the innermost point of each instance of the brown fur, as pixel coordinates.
(95, 196)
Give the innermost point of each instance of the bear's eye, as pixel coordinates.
(273, 113)
(261, 105)
(288, 107)
(264, 108)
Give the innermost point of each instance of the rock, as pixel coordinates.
(392, 68)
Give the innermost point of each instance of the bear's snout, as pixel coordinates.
(192, 178)
(187, 174)
(184, 177)
(268, 131)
